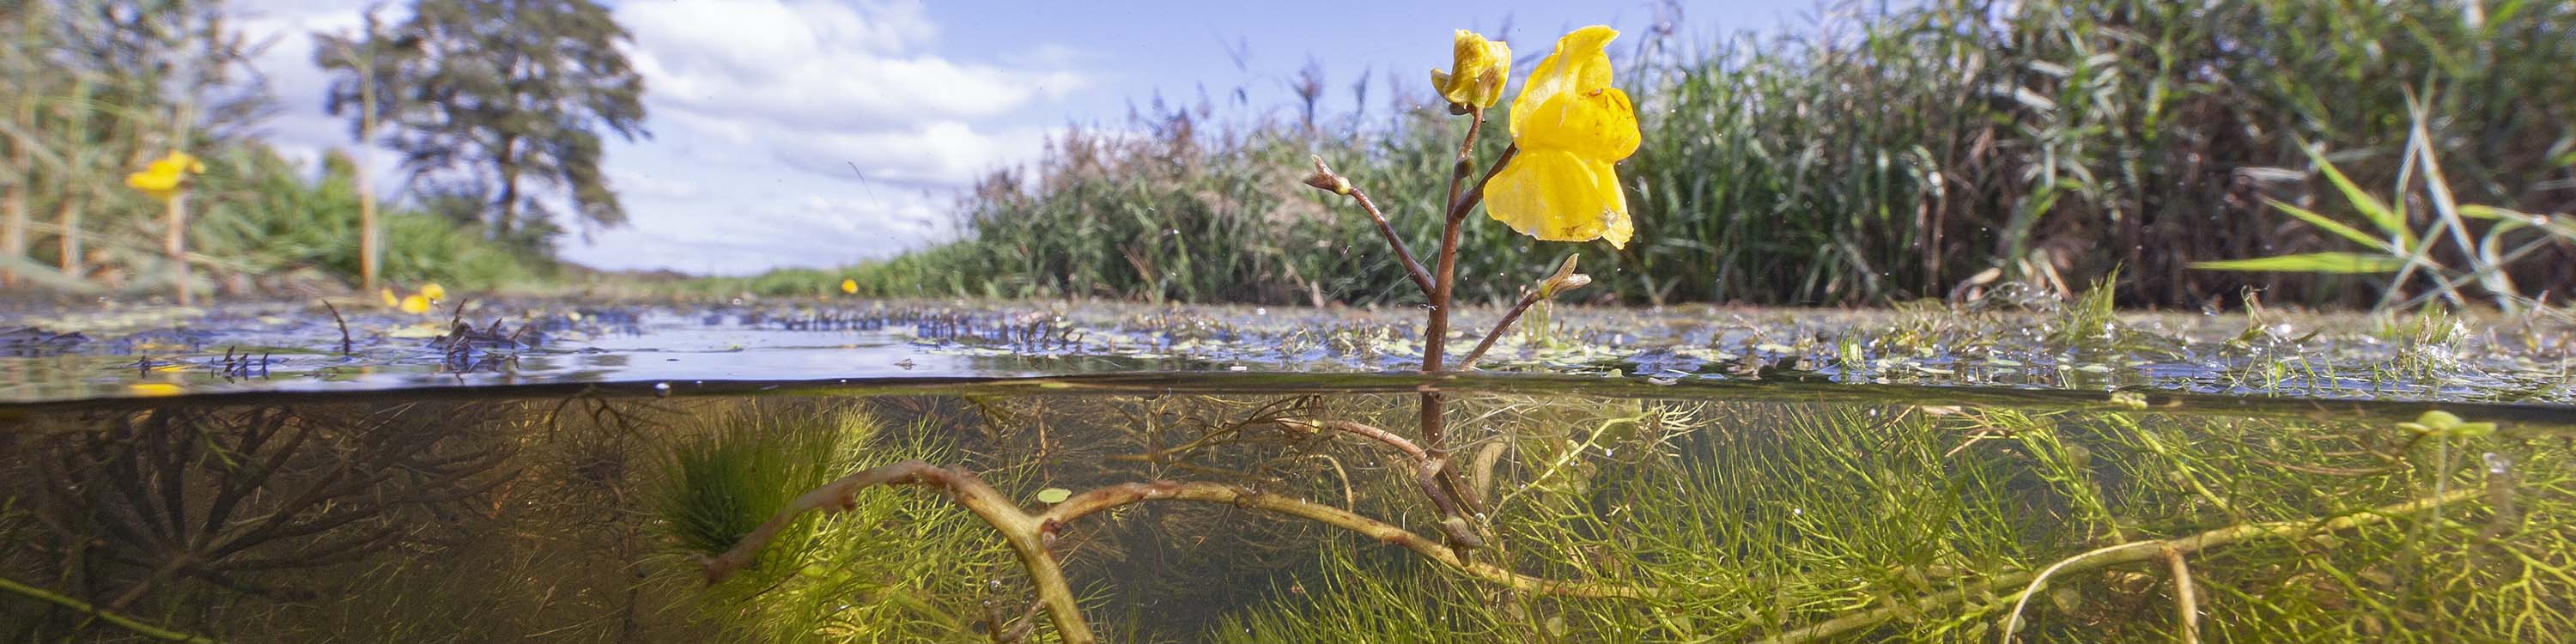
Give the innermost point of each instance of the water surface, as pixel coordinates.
(109, 350)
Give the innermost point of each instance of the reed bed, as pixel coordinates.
(1878, 155)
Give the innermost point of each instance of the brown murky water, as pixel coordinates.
(1727, 513)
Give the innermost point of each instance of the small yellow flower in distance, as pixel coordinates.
(390, 300)
(1571, 126)
(165, 176)
(415, 304)
(850, 286)
(1476, 76)
(433, 291)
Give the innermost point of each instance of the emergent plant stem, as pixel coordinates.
(1412, 267)
(1527, 299)
(1435, 332)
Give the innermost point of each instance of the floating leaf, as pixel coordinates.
(1054, 495)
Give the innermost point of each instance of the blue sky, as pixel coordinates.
(819, 133)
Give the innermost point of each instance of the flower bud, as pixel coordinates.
(1564, 280)
(1324, 179)
(1476, 74)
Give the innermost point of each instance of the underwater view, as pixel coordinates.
(1254, 508)
(1704, 321)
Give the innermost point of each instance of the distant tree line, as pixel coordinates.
(496, 111)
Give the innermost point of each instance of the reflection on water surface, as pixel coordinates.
(297, 346)
(1667, 514)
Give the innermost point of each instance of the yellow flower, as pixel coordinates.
(850, 286)
(390, 300)
(1477, 74)
(433, 291)
(415, 304)
(166, 176)
(1571, 126)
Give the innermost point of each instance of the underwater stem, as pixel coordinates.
(138, 626)
(2186, 598)
(2126, 553)
(1029, 533)
(1429, 471)
(1104, 498)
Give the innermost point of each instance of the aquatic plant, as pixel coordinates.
(167, 180)
(1793, 523)
(1791, 528)
(739, 467)
(165, 505)
(1535, 516)
(1569, 113)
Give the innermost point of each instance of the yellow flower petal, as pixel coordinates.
(1557, 195)
(433, 291)
(162, 178)
(1571, 126)
(1580, 65)
(415, 304)
(390, 300)
(149, 181)
(1598, 125)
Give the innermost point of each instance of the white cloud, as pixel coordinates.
(301, 132)
(949, 153)
(759, 108)
(762, 224)
(634, 184)
(287, 65)
(818, 64)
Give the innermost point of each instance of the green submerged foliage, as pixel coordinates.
(1688, 518)
(895, 568)
(1785, 522)
(1778, 519)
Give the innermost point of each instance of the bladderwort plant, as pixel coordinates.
(1556, 182)
(1765, 542)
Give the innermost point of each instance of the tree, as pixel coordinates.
(91, 90)
(359, 89)
(510, 92)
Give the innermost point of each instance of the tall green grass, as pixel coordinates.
(1878, 155)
